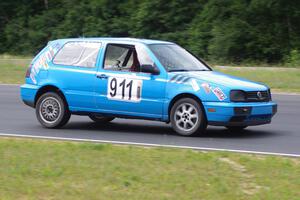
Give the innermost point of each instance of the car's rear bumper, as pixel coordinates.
(28, 93)
(239, 114)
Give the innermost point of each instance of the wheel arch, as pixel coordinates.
(50, 88)
(185, 95)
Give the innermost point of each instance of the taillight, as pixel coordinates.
(28, 71)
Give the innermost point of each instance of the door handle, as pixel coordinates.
(102, 76)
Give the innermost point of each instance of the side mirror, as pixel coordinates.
(152, 69)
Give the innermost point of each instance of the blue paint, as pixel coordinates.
(86, 93)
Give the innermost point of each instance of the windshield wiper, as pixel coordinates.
(179, 70)
(187, 70)
(199, 70)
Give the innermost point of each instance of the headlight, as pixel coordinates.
(237, 96)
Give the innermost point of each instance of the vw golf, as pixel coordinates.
(105, 78)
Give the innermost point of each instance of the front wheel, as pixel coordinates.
(187, 117)
(52, 111)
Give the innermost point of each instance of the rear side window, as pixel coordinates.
(81, 54)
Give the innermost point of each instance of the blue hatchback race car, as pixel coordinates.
(105, 78)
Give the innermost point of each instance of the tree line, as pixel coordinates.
(229, 31)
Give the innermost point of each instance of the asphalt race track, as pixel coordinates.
(280, 137)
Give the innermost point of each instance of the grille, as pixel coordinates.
(258, 96)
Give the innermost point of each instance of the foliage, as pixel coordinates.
(293, 59)
(221, 30)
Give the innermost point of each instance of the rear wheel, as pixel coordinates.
(187, 117)
(236, 128)
(101, 119)
(52, 111)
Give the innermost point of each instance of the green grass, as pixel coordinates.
(39, 169)
(12, 70)
(279, 79)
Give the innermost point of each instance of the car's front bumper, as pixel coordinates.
(239, 114)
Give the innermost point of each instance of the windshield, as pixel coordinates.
(175, 58)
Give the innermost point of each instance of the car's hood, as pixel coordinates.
(225, 80)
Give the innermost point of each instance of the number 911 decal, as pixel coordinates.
(124, 89)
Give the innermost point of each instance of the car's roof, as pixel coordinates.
(115, 39)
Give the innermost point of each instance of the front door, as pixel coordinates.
(123, 89)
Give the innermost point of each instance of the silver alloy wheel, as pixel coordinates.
(186, 116)
(50, 110)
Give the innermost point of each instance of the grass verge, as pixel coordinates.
(12, 70)
(279, 79)
(39, 169)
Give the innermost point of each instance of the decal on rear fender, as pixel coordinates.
(42, 61)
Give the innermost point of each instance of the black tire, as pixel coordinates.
(236, 128)
(101, 119)
(182, 119)
(52, 111)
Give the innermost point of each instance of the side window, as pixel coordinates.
(126, 57)
(81, 54)
(118, 57)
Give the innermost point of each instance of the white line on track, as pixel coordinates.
(15, 59)
(149, 144)
(283, 93)
(9, 84)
